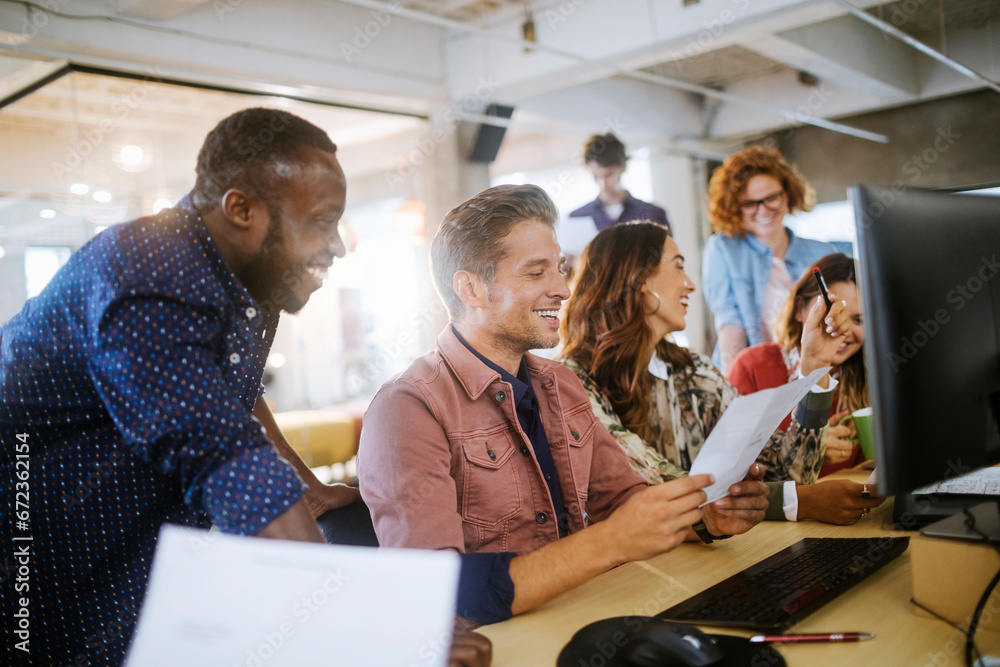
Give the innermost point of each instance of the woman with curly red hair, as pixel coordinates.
(750, 261)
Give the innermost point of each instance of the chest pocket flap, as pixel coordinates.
(490, 488)
(580, 425)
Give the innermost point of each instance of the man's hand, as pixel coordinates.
(319, 497)
(470, 649)
(838, 447)
(742, 509)
(294, 524)
(657, 519)
(835, 501)
(323, 497)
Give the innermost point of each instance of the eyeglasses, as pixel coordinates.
(770, 202)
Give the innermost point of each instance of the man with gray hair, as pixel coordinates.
(486, 449)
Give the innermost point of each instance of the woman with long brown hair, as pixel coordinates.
(659, 400)
(774, 364)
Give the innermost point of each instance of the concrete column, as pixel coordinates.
(447, 179)
(679, 185)
(13, 280)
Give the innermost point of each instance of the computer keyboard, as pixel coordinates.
(782, 589)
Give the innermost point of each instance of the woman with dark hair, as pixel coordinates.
(751, 261)
(659, 400)
(774, 364)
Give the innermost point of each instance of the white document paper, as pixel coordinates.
(231, 601)
(575, 233)
(985, 482)
(743, 431)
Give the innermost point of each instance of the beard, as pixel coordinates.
(273, 278)
(517, 336)
(519, 340)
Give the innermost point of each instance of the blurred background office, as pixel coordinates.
(103, 104)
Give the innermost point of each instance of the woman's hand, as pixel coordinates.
(823, 334)
(838, 446)
(835, 501)
(742, 509)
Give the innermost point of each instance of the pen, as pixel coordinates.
(818, 275)
(816, 637)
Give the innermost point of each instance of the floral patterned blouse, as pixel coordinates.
(682, 415)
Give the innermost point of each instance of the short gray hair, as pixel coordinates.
(470, 237)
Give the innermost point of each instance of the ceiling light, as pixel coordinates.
(102, 196)
(79, 188)
(528, 32)
(2, 252)
(160, 204)
(276, 360)
(131, 154)
(47, 213)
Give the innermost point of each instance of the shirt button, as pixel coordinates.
(501, 396)
(541, 517)
(576, 436)
(234, 358)
(548, 478)
(251, 312)
(490, 453)
(525, 450)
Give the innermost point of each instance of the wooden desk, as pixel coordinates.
(880, 604)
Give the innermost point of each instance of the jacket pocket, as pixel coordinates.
(581, 425)
(491, 491)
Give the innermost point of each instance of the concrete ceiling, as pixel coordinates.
(674, 75)
(749, 66)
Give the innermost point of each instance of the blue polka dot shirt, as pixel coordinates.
(131, 378)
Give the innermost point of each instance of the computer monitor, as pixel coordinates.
(930, 291)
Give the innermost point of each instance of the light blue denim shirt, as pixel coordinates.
(735, 273)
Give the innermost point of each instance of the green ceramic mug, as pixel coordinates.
(863, 425)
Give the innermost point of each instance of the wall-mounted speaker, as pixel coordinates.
(489, 136)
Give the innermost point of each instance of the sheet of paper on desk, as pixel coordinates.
(743, 431)
(985, 482)
(222, 600)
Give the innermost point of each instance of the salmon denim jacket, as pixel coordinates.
(444, 464)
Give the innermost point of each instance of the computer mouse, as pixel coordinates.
(660, 644)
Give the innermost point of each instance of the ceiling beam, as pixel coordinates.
(918, 45)
(847, 51)
(677, 84)
(334, 52)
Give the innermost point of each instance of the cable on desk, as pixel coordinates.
(941, 618)
(970, 646)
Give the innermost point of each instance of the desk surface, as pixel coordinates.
(880, 604)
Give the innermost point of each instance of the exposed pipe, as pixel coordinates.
(677, 84)
(917, 44)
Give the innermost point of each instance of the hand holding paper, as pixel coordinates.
(743, 431)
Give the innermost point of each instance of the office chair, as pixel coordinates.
(350, 525)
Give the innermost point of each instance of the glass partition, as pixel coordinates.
(86, 151)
